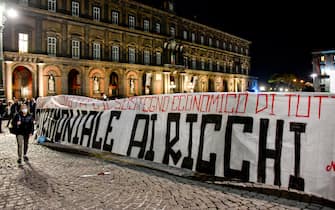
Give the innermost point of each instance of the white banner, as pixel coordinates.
(278, 139)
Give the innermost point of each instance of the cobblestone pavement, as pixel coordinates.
(54, 180)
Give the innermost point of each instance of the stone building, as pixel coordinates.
(119, 48)
(324, 70)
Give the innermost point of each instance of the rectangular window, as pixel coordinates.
(210, 42)
(158, 58)
(158, 28)
(172, 31)
(202, 64)
(210, 65)
(24, 2)
(217, 43)
(115, 17)
(96, 51)
(131, 21)
(224, 45)
(75, 49)
(96, 13)
(115, 53)
(322, 58)
(75, 8)
(193, 37)
(131, 55)
(186, 61)
(202, 39)
(146, 25)
(185, 35)
(194, 63)
(23, 43)
(146, 57)
(52, 44)
(218, 66)
(52, 5)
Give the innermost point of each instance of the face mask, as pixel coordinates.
(24, 110)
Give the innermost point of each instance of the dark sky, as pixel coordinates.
(283, 33)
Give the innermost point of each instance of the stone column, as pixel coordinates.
(182, 82)
(166, 82)
(8, 83)
(139, 83)
(84, 86)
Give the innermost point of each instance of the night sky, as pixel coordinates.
(283, 35)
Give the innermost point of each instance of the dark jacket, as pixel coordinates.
(14, 109)
(27, 124)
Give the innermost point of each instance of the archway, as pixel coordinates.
(113, 88)
(22, 83)
(74, 82)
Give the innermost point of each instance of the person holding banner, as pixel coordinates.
(23, 124)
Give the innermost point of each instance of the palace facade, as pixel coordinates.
(119, 48)
(324, 70)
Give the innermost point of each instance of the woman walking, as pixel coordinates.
(24, 128)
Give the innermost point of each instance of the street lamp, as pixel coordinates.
(4, 14)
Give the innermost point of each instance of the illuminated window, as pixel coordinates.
(202, 63)
(96, 51)
(193, 37)
(322, 58)
(194, 63)
(75, 49)
(210, 42)
(52, 43)
(185, 35)
(131, 55)
(217, 43)
(186, 61)
(158, 58)
(75, 8)
(158, 28)
(146, 25)
(202, 39)
(172, 31)
(146, 57)
(224, 45)
(115, 53)
(131, 21)
(52, 5)
(210, 65)
(23, 43)
(96, 13)
(115, 17)
(218, 66)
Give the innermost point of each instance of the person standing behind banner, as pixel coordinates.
(24, 128)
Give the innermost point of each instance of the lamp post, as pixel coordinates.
(3, 17)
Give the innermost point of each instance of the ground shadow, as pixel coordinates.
(35, 180)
